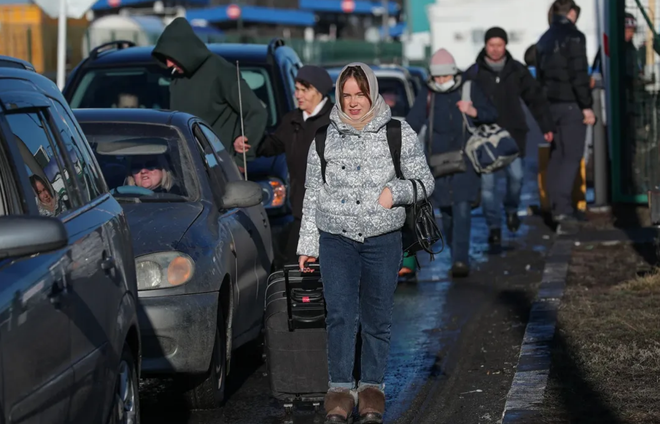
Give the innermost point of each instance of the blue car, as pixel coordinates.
(201, 238)
(70, 344)
(121, 68)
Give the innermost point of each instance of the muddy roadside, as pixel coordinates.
(473, 375)
(606, 354)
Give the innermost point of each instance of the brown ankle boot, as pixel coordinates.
(339, 406)
(371, 402)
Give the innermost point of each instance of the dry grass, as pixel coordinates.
(606, 367)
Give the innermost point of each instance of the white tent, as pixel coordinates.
(62, 10)
(142, 30)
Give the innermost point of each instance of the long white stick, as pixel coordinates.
(240, 107)
(61, 46)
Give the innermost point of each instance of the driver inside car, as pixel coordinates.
(152, 173)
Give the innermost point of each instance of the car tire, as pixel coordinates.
(207, 391)
(126, 397)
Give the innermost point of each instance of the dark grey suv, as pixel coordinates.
(69, 338)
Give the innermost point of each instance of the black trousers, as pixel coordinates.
(292, 242)
(566, 154)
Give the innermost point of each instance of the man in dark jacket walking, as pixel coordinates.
(563, 73)
(505, 81)
(294, 136)
(204, 84)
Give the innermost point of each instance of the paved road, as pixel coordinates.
(428, 318)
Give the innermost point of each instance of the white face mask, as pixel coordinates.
(446, 85)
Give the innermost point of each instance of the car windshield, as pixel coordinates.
(394, 92)
(147, 86)
(141, 161)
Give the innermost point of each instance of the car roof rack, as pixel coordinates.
(112, 45)
(5, 60)
(274, 44)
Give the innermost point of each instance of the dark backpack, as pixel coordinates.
(419, 231)
(393, 141)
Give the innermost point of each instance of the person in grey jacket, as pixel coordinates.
(353, 222)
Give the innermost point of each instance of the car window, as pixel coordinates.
(85, 168)
(7, 184)
(395, 95)
(49, 178)
(213, 139)
(138, 156)
(228, 169)
(137, 86)
(147, 86)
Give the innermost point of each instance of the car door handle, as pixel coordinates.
(108, 264)
(56, 291)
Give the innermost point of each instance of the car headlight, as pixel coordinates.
(274, 193)
(163, 270)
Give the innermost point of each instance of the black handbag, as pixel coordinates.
(442, 164)
(421, 227)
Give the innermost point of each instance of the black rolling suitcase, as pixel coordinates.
(295, 336)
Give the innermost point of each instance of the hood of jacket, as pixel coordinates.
(376, 123)
(378, 105)
(180, 44)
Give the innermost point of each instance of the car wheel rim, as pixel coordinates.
(125, 396)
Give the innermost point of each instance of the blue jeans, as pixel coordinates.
(359, 280)
(456, 223)
(490, 197)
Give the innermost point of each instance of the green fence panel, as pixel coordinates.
(635, 108)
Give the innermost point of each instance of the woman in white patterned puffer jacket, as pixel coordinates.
(353, 222)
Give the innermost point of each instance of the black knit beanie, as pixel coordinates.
(317, 77)
(496, 32)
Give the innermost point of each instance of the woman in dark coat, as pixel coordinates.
(293, 137)
(458, 193)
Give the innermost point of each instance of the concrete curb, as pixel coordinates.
(529, 382)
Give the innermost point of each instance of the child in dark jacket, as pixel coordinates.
(455, 194)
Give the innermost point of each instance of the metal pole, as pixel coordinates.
(409, 23)
(61, 46)
(650, 54)
(601, 181)
(386, 21)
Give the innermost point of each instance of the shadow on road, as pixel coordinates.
(162, 400)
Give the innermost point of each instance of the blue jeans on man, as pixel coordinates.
(359, 280)
(456, 223)
(491, 198)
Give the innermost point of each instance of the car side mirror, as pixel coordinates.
(241, 194)
(28, 235)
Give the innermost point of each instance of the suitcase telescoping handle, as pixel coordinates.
(300, 322)
(294, 267)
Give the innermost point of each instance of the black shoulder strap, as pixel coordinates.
(321, 134)
(394, 142)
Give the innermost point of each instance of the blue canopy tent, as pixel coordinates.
(255, 14)
(397, 30)
(362, 7)
(105, 4)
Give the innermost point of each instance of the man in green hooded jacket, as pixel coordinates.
(205, 84)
